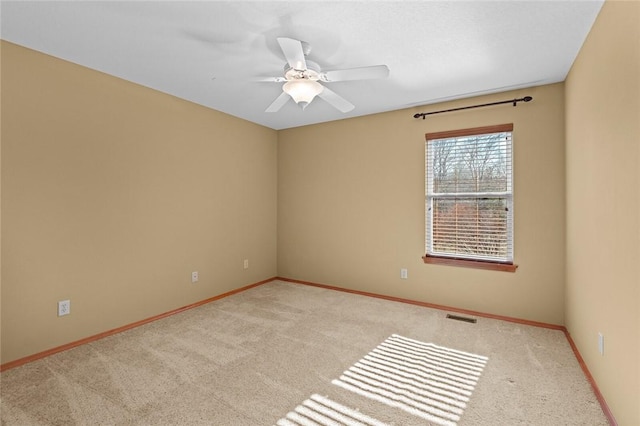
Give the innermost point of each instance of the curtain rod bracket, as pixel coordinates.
(512, 101)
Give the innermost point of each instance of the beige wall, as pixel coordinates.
(351, 207)
(603, 205)
(113, 193)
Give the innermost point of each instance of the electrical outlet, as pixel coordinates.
(404, 274)
(194, 277)
(246, 264)
(64, 307)
(601, 343)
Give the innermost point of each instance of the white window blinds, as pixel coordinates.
(469, 197)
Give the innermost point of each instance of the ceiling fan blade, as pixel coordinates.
(337, 101)
(278, 103)
(361, 73)
(293, 53)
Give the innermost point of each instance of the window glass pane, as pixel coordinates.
(471, 164)
(476, 226)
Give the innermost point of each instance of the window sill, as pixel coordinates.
(477, 264)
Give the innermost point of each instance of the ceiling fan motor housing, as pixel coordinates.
(311, 73)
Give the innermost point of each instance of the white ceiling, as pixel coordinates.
(208, 52)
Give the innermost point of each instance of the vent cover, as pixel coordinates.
(461, 318)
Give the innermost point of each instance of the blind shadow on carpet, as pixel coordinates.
(428, 381)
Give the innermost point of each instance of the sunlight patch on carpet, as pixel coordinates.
(320, 410)
(429, 381)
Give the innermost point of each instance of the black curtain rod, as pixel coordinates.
(512, 101)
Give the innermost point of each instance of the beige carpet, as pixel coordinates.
(290, 354)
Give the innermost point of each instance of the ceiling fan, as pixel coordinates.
(302, 78)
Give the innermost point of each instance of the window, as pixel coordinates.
(469, 198)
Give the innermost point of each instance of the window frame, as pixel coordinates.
(464, 261)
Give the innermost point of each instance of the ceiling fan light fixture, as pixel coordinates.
(302, 91)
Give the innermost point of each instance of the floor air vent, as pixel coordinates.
(460, 318)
